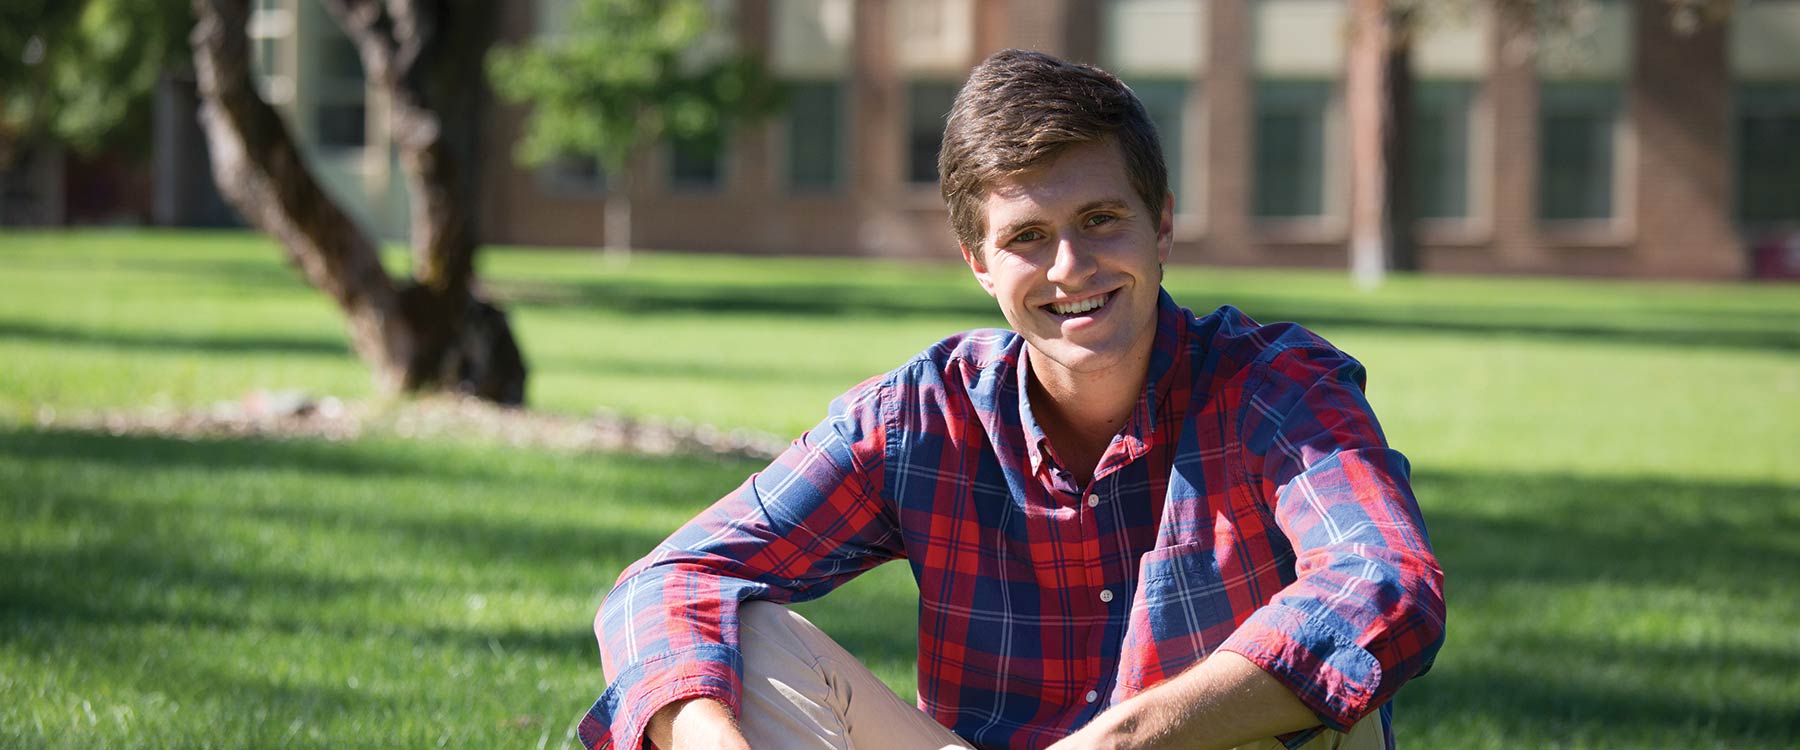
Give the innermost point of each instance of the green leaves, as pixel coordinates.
(614, 75)
(82, 72)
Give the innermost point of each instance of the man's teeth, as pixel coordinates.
(1079, 307)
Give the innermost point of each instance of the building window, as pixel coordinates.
(1768, 152)
(1440, 149)
(1164, 100)
(1290, 148)
(815, 143)
(340, 118)
(1576, 125)
(268, 27)
(574, 173)
(928, 105)
(696, 163)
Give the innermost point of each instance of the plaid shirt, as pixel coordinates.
(1250, 504)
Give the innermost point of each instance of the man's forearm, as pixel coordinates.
(1224, 701)
(694, 723)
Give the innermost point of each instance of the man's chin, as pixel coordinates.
(1074, 358)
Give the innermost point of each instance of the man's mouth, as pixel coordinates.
(1080, 306)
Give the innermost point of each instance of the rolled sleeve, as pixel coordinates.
(619, 717)
(812, 520)
(1365, 612)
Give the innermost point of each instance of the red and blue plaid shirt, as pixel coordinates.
(1250, 504)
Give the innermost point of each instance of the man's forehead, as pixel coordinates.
(1076, 179)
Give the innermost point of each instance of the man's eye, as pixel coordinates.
(1098, 219)
(1029, 235)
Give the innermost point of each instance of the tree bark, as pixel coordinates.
(617, 213)
(1379, 97)
(429, 332)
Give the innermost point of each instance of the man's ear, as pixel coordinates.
(979, 266)
(1165, 229)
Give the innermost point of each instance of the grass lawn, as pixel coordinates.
(1607, 468)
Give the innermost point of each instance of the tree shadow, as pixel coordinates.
(1687, 329)
(816, 299)
(1551, 529)
(214, 455)
(1661, 542)
(145, 548)
(157, 560)
(215, 344)
(873, 299)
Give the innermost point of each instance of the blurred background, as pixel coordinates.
(349, 349)
(1614, 138)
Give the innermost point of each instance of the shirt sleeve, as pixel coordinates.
(1366, 610)
(792, 532)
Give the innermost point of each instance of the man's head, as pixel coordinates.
(1021, 110)
(1060, 201)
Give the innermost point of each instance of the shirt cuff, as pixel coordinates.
(1330, 673)
(618, 718)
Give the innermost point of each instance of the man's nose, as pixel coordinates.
(1074, 261)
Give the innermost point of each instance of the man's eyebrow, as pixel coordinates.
(1113, 204)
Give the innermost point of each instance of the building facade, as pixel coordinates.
(1635, 145)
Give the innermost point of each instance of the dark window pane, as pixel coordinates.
(695, 162)
(815, 134)
(1439, 149)
(341, 125)
(266, 50)
(928, 104)
(1575, 142)
(338, 59)
(582, 172)
(1768, 153)
(1165, 101)
(1290, 148)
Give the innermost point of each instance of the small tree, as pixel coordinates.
(429, 331)
(80, 72)
(621, 74)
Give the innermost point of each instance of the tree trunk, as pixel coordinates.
(1401, 215)
(427, 333)
(617, 213)
(1378, 89)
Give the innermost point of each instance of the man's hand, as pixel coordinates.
(695, 724)
(1222, 702)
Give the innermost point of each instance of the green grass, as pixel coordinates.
(1607, 470)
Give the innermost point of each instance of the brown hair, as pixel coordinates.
(1020, 110)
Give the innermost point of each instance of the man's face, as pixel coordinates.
(1074, 258)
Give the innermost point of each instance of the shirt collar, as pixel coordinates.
(1171, 329)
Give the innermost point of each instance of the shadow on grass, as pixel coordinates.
(120, 555)
(197, 555)
(222, 344)
(1691, 549)
(1698, 329)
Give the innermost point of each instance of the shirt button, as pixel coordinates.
(1093, 500)
(1106, 595)
(1092, 696)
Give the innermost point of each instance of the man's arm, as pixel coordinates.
(812, 520)
(700, 723)
(1365, 612)
(1222, 702)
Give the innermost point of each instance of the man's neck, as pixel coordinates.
(1081, 412)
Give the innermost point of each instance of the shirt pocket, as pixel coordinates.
(1181, 611)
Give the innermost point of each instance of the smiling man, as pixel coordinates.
(1131, 526)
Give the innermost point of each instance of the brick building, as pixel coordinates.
(1631, 149)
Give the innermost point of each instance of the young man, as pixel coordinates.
(1131, 526)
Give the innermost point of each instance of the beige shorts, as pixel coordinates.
(804, 691)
